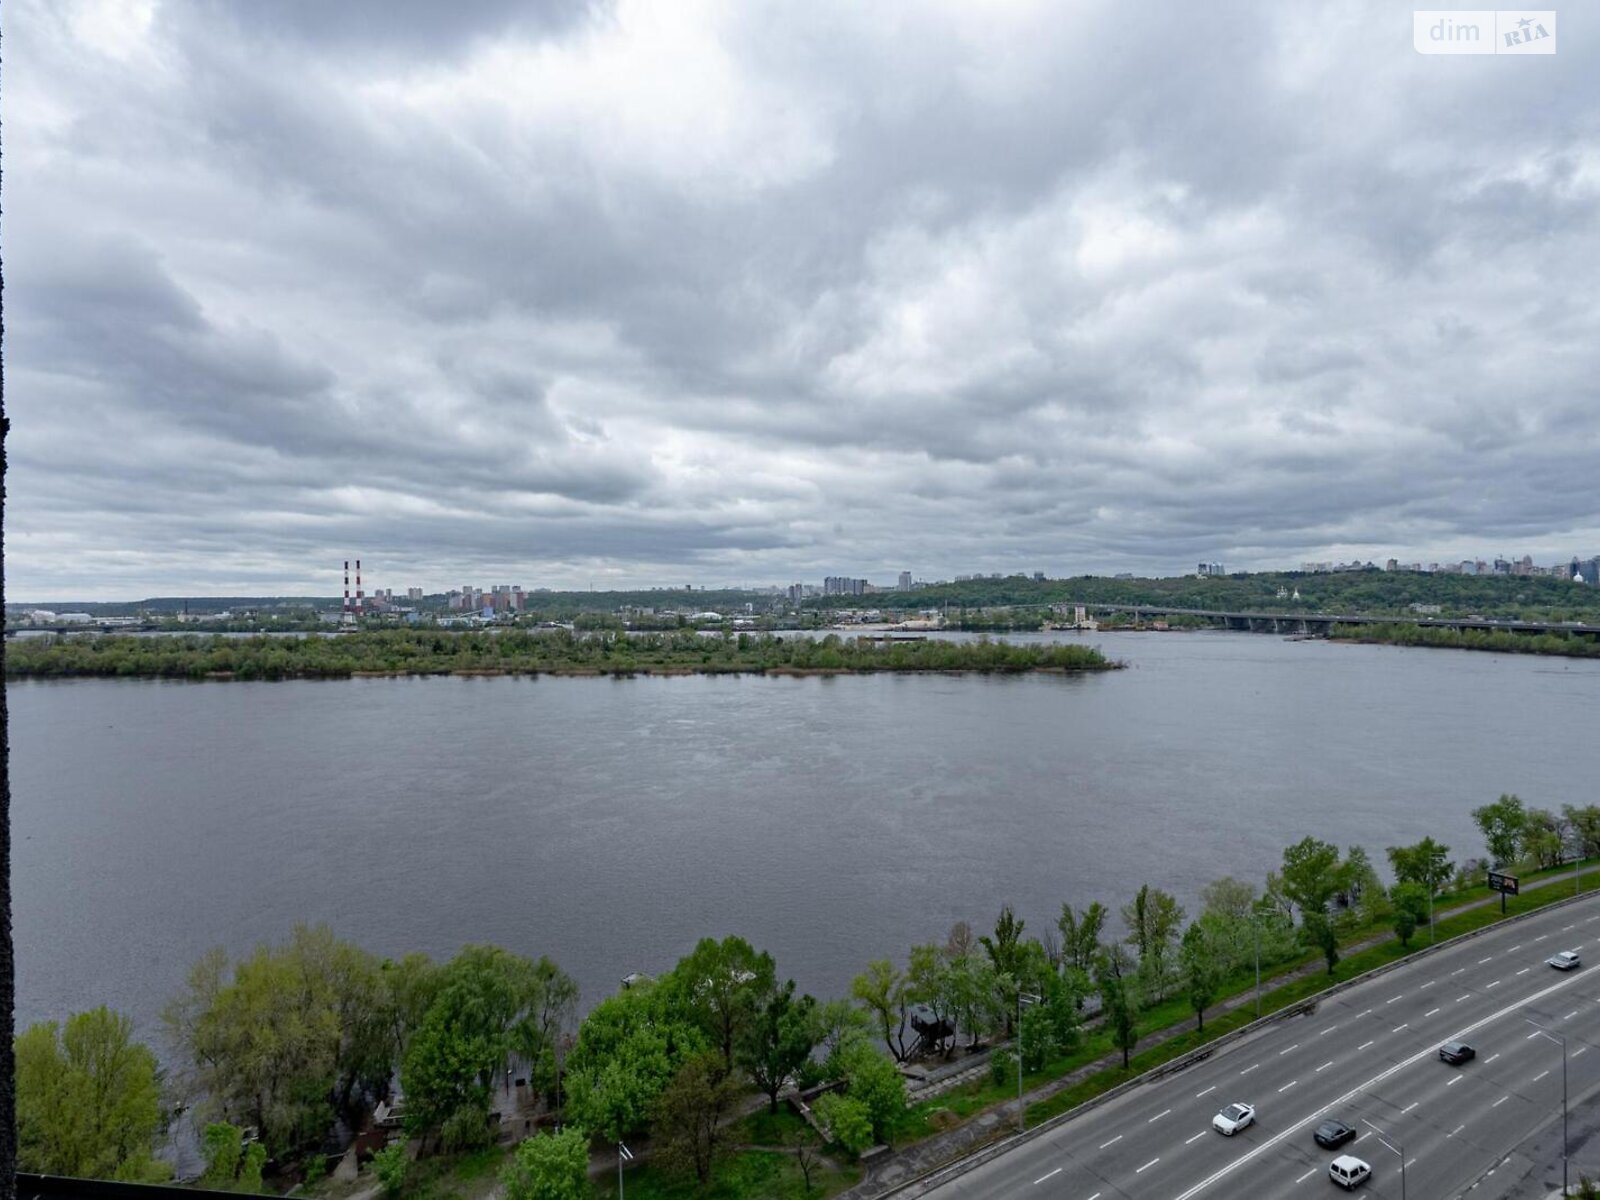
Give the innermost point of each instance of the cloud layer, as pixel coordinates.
(641, 293)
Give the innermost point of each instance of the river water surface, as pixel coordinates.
(610, 823)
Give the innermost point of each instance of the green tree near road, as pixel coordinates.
(778, 1039)
(549, 1166)
(1319, 933)
(1410, 901)
(231, 1165)
(1155, 920)
(873, 1081)
(1312, 875)
(1502, 824)
(882, 991)
(1007, 955)
(1199, 965)
(1080, 937)
(1427, 864)
(718, 981)
(628, 1049)
(88, 1100)
(1119, 1001)
(687, 1124)
(847, 1120)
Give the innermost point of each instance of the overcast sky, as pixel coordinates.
(670, 292)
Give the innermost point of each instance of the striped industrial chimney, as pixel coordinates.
(358, 589)
(346, 610)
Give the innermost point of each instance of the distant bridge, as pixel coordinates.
(1321, 623)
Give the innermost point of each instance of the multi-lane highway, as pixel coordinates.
(1366, 1055)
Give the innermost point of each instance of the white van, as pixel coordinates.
(1348, 1171)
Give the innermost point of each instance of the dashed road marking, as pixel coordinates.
(1486, 958)
(1456, 1130)
(1491, 1058)
(1463, 996)
(1524, 970)
(1250, 1068)
(1570, 1015)
(1281, 1053)
(1409, 1107)
(1457, 971)
(1579, 1051)
(1540, 1076)
(1307, 1175)
(1325, 1065)
(1329, 1029)
(1112, 1142)
(1364, 1045)
(1487, 986)
(1430, 1012)
(1207, 1092)
(1398, 1028)
(1195, 1138)
(1287, 1086)
(1148, 1165)
(1164, 1112)
(1392, 999)
(1455, 1081)
(1052, 1175)
(1541, 937)
(1500, 1101)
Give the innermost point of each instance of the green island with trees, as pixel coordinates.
(692, 1068)
(523, 652)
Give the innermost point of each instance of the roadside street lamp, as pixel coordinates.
(1396, 1147)
(1540, 1031)
(622, 1153)
(1030, 999)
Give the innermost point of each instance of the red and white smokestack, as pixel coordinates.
(347, 587)
(358, 589)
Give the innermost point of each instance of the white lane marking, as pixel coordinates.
(1487, 986)
(1195, 1138)
(1499, 1102)
(1455, 1081)
(1579, 1051)
(1052, 1175)
(1409, 1107)
(1207, 1092)
(1329, 1029)
(1287, 1086)
(1429, 984)
(1457, 971)
(1524, 970)
(1392, 999)
(1325, 1065)
(1541, 937)
(1359, 1015)
(1463, 996)
(1096, 1196)
(1570, 1015)
(1366, 1085)
(1112, 1142)
(1398, 1028)
(1540, 1076)
(1515, 948)
(1250, 1068)
(1307, 1175)
(1485, 959)
(1164, 1112)
(1456, 1130)
(1430, 1012)
(1491, 1058)
(1363, 1045)
(1281, 1053)
(1148, 1165)
(1532, 1035)
(1564, 928)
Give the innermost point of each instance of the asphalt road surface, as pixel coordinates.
(1366, 1055)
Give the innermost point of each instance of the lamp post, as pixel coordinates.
(1394, 1146)
(1030, 999)
(622, 1153)
(1541, 1031)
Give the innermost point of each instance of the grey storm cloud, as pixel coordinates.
(633, 293)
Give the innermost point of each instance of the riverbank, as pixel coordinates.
(1554, 644)
(380, 653)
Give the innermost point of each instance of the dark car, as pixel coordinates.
(1332, 1134)
(1456, 1052)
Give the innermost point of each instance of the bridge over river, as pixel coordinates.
(1321, 623)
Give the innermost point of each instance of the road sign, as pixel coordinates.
(1499, 881)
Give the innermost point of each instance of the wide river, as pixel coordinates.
(611, 823)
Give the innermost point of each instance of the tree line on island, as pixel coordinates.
(522, 651)
(293, 1037)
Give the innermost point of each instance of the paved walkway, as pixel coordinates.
(899, 1168)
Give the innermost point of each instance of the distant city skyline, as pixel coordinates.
(623, 293)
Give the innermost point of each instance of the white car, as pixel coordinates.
(1348, 1171)
(1234, 1118)
(1563, 960)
